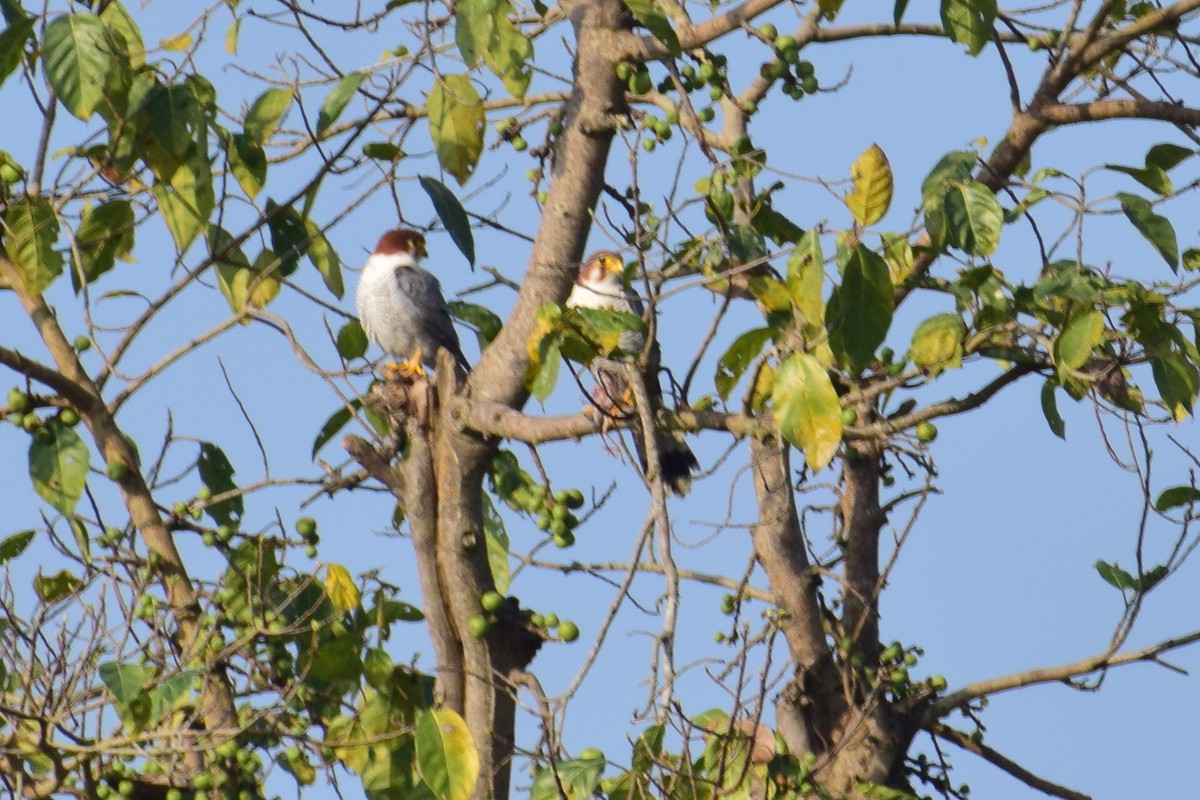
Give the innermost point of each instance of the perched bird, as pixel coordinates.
(401, 305)
(601, 285)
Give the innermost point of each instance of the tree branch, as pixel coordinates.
(1135, 108)
(1064, 672)
(1006, 764)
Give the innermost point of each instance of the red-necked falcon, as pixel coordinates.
(601, 284)
(401, 306)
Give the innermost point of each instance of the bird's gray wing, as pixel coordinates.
(425, 292)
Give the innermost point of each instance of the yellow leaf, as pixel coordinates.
(340, 587)
(868, 201)
(231, 36)
(181, 42)
(446, 756)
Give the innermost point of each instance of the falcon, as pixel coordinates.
(601, 285)
(401, 306)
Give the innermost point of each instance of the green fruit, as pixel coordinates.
(849, 416)
(574, 499)
(173, 794)
(209, 539)
(180, 508)
(591, 754)
(310, 551)
(716, 92)
(550, 619)
(673, 117)
(568, 631)
(519, 144)
(69, 417)
(204, 780)
(708, 71)
(118, 470)
(749, 107)
(899, 676)
(624, 70)
(805, 69)
(718, 637)
(31, 422)
(82, 343)
(892, 653)
(543, 522)
(938, 683)
(728, 604)
(565, 540)
(537, 620)
(125, 788)
(228, 749)
(910, 659)
(306, 526)
(18, 401)
(224, 533)
(640, 83)
(555, 127)
(648, 145)
(773, 70)
(926, 431)
(768, 30)
(204, 494)
(706, 114)
(790, 54)
(43, 436)
(809, 84)
(785, 42)
(478, 627)
(491, 601)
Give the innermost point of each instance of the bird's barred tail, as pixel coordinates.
(677, 462)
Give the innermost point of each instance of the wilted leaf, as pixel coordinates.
(52, 588)
(452, 215)
(76, 52)
(340, 587)
(337, 100)
(807, 410)
(871, 196)
(1156, 228)
(446, 756)
(456, 123)
(937, 342)
(58, 466)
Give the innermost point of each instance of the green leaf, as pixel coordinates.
(937, 342)
(1152, 177)
(456, 123)
(482, 320)
(446, 756)
(655, 20)
(76, 51)
(1075, 344)
(865, 304)
(337, 100)
(483, 29)
(52, 588)
(1050, 410)
(265, 113)
(321, 254)
(247, 162)
(1175, 497)
(175, 122)
(288, 236)
(579, 777)
(382, 151)
(544, 374)
(217, 474)
(105, 234)
(58, 466)
(164, 696)
(337, 420)
(1115, 576)
(1156, 228)
(871, 196)
(186, 201)
(29, 233)
(1177, 382)
(969, 22)
(953, 167)
(737, 359)
(14, 545)
(12, 45)
(352, 340)
(1168, 156)
(973, 217)
(807, 410)
(496, 537)
(806, 280)
(898, 11)
(452, 215)
(126, 682)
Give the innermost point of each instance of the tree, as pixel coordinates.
(176, 644)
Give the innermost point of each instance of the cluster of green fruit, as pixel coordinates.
(233, 779)
(491, 602)
(893, 669)
(306, 527)
(799, 77)
(510, 131)
(21, 414)
(554, 512)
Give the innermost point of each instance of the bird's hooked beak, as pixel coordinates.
(613, 265)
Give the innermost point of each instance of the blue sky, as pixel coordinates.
(997, 576)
